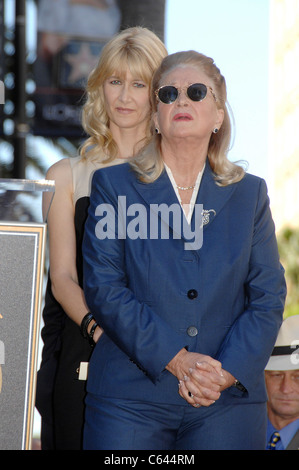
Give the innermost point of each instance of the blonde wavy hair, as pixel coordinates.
(149, 165)
(137, 49)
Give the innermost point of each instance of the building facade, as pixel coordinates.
(284, 113)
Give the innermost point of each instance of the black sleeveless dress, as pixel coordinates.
(60, 394)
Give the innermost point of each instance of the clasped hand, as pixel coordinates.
(201, 378)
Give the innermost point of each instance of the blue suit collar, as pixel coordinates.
(212, 196)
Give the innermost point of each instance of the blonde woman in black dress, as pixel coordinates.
(116, 116)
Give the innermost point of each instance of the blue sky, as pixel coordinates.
(235, 34)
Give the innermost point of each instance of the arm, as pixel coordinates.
(133, 326)
(62, 244)
(250, 341)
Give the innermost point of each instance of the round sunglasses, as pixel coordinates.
(196, 92)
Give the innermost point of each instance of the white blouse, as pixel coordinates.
(187, 208)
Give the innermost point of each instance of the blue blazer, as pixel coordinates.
(154, 297)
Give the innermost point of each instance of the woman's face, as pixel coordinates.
(186, 118)
(126, 101)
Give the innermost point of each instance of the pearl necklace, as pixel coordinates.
(186, 188)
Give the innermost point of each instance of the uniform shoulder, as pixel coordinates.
(250, 180)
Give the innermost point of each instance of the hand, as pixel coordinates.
(198, 374)
(202, 386)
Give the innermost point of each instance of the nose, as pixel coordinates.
(182, 99)
(286, 384)
(124, 94)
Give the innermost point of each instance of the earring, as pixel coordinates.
(157, 131)
(215, 130)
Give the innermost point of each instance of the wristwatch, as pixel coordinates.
(239, 386)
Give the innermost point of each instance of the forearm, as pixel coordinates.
(229, 380)
(71, 297)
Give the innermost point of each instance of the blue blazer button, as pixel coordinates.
(192, 294)
(192, 331)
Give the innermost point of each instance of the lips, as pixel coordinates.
(183, 117)
(287, 400)
(124, 110)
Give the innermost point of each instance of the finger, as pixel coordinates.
(197, 390)
(199, 379)
(202, 402)
(184, 391)
(194, 400)
(211, 364)
(204, 367)
(216, 364)
(207, 379)
(209, 394)
(192, 393)
(202, 386)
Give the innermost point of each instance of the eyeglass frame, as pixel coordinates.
(186, 88)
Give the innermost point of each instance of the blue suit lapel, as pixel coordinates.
(161, 192)
(211, 196)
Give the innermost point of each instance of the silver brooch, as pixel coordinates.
(206, 216)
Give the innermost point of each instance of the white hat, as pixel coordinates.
(285, 355)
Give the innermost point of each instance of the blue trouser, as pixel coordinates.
(114, 424)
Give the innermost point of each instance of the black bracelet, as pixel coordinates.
(84, 324)
(91, 333)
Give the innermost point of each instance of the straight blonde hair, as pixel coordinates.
(149, 165)
(136, 49)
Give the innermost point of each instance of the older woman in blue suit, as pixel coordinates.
(182, 272)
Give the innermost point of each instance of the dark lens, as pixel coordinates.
(197, 91)
(168, 94)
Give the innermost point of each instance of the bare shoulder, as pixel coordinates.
(60, 170)
(61, 173)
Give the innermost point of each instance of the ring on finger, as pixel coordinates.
(190, 395)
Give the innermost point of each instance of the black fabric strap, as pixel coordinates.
(283, 350)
